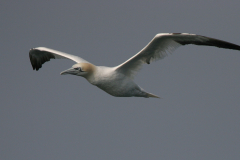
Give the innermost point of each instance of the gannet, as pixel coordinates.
(118, 81)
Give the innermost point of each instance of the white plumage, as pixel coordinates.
(118, 81)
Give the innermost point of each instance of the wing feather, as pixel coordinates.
(163, 44)
(40, 55)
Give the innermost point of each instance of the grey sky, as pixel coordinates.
(44, 115)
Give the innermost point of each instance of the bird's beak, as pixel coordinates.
(69, 71)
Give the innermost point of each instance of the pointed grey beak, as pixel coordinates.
(69, 71)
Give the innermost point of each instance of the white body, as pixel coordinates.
(115, 83)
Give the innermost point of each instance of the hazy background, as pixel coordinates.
(44, 115)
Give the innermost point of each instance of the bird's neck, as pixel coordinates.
(100, 74)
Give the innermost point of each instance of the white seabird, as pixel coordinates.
(118, 81)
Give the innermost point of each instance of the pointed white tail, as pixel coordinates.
(152, 95)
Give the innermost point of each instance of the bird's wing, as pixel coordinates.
(40, 55)
(165, 43)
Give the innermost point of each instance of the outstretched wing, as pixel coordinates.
(40, 55)
(165, 43)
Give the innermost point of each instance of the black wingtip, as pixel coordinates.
(31, 59)
(207, 41)
(38, 57)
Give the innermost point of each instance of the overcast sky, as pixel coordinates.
(44, 115)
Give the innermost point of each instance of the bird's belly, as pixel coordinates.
(120, 87)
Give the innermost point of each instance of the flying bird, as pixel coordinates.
(118, 81)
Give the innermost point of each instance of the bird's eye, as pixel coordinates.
(78, 69)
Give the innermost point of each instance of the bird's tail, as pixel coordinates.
(152, 95)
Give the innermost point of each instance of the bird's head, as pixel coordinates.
(80, 69)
